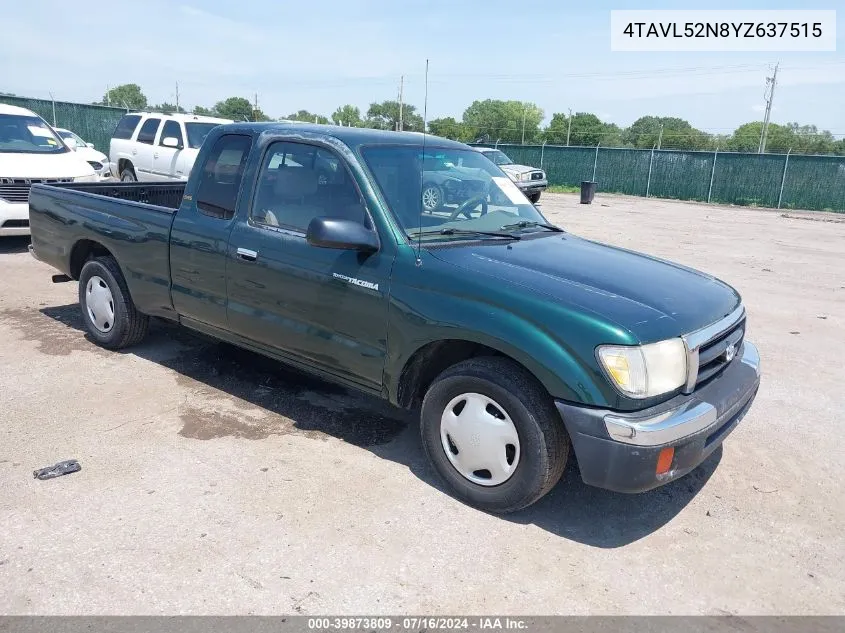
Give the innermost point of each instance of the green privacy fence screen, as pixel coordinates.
(766, 180)
(93, 123)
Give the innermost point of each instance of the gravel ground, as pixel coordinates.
(217, 482)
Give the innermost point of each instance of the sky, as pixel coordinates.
(317, 56)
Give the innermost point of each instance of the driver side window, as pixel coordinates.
(299, 182)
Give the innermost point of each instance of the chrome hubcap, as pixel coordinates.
(479, 439)
(431, 199)
(100, 304)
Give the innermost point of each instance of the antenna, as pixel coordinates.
(422, 165)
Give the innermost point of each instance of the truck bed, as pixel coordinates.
(132, 221)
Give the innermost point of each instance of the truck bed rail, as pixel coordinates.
(162, 194)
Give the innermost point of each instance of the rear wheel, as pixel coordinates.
(109, 314)
(128, 174)
(493, 434)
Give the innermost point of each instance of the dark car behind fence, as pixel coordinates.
(788, 181)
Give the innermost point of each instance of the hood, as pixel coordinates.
(651, 298)
(65, 165)
(518, 169)
(89, 153)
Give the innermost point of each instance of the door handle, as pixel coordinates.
(155, 155)
(247, 254)
(134, 151)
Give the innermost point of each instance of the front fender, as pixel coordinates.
(554, 342)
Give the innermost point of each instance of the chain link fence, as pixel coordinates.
(94, 123)
(785, 181)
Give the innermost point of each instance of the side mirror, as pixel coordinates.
(170, 141)
(91, 145)
(341, 234)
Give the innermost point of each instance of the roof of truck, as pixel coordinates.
(15, 110)
(353, 136)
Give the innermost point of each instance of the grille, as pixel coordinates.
(712, 358)
(17, 189)
(536, 175)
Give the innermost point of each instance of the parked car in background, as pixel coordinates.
(30, 152)
(530, 180)
(98, 161)
(149, 146)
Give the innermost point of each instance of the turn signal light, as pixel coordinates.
(664, 460)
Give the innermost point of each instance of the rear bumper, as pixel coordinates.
(14, 218)
(619, 451)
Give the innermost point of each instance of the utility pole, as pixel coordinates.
(660, 137)
(569, 127)
(524, 112)
(177, 96)
(108, 95)
(401, 90)
(255, 108)
(770, 86)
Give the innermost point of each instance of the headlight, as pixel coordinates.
(97, 166)
(646, 370)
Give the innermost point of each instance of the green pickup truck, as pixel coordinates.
(517, 341)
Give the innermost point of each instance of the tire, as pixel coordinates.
(432, 198)
(536, 462)
(534, 197)
(128, 174)
(110, 317)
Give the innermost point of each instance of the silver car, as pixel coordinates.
(530, 180)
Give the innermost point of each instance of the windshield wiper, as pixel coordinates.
(451, 231)
(525, 224)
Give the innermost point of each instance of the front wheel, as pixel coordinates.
(109, 314)
(128, 174)
(534, 197)
(493, 434)
(432, 198)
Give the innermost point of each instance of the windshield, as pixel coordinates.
(500, 158)
(447, 189)
(197, 133)
(71, 139)
(28, 135)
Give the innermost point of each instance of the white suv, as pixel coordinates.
(147, 146)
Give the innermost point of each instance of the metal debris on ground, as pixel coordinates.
(57, 470)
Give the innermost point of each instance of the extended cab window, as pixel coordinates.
(126, 126)
(299, 182)
(220, 180)
(147, 133)
(172, 129)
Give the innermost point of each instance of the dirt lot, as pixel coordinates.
(216, 482)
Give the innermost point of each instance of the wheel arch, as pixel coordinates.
(84, 250)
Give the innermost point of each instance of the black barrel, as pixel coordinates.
(588, 191)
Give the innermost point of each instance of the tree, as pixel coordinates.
(746, 138)
(307, 117)
(201, 111)
(238, 109)
(347, 115)
(126, 96)
(494, 119)
(168, 108)
(448, 127)
(385, 116)
(644, 133)
(588, 130)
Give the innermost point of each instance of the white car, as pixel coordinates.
(30, 152)
(147, 146)
(97, 160)
(530, 180)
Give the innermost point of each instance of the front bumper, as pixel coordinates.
(619, 451)
(532, 186)
(14, 218)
